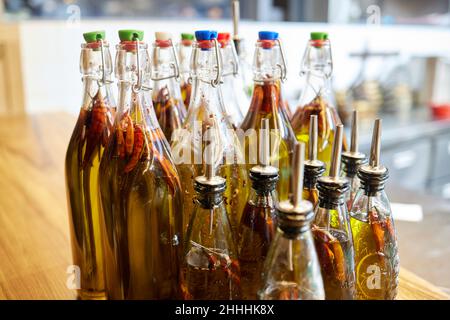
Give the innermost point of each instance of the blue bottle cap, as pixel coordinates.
(205, 35)
(268, 35)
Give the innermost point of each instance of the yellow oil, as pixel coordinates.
(82, 163)
(327, 121)
(312, 195)
(142, 219)
(266, 104)
(376, 259)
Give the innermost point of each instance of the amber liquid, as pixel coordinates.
(211, 274)
(376, 258)
(327, 121)
(169, 111)
(256, 232)
(266, 104)
(312, 195)
(186, 90)
(335, 254)
(140, 194)
(82, 162)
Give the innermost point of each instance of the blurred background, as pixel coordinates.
(391, 60)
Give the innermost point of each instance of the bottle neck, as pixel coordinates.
(184, 53)
(266, 97)
(206, 99)
(373, 183)
(209, 197)
(267, 61)
(332, 194)
(312, 173)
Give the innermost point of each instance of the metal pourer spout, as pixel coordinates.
(375, 147)
(209, 158)
(298, 164)
(209, 187)
(353, 159)
(313, 133)
(374, 174)
(313, 168)
(264, 146)
(235, 14)
(264, 176)
(296, 217)
(336, 154)
(354, 137)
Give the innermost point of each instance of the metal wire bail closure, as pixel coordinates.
(283, 67)
(217, 81)
(234, 62)
(328, 75)
(102, 81)
(138, 85)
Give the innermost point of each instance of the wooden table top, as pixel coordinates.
(34, 232)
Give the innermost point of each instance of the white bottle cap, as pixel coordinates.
(163, 36)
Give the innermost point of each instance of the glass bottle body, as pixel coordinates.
(211, 267)
(334, 246)
(376, 250)
(169, 107)
(88, 141)
(256, 231)
(266, 104)
(207, 112)
(316, 99)
(140, 194)
(184, 57)
(232, 84)
(292, 270)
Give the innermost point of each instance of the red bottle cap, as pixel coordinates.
(223, 38)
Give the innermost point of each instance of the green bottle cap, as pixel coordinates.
(94, 36)
(187, 36)
(319, 35)
(131, 35)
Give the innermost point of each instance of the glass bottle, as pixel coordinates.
(332, 233)
(184, 57)
(269, 70)
(258, 222)
(374, 235)
(139, 188)
(211, 267)
(167, 101)
(316, 98)
(351, 161)
(232, 85)
(86, 146)
(207, 111)
(292, 270)
(313, 168)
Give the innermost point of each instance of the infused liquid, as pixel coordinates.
(142, 220)
(327, 120)
(334, 250)
(376, 257)
(169, 111)
(85, 149)
(266, 104)
(211, 274)
(256, 232)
